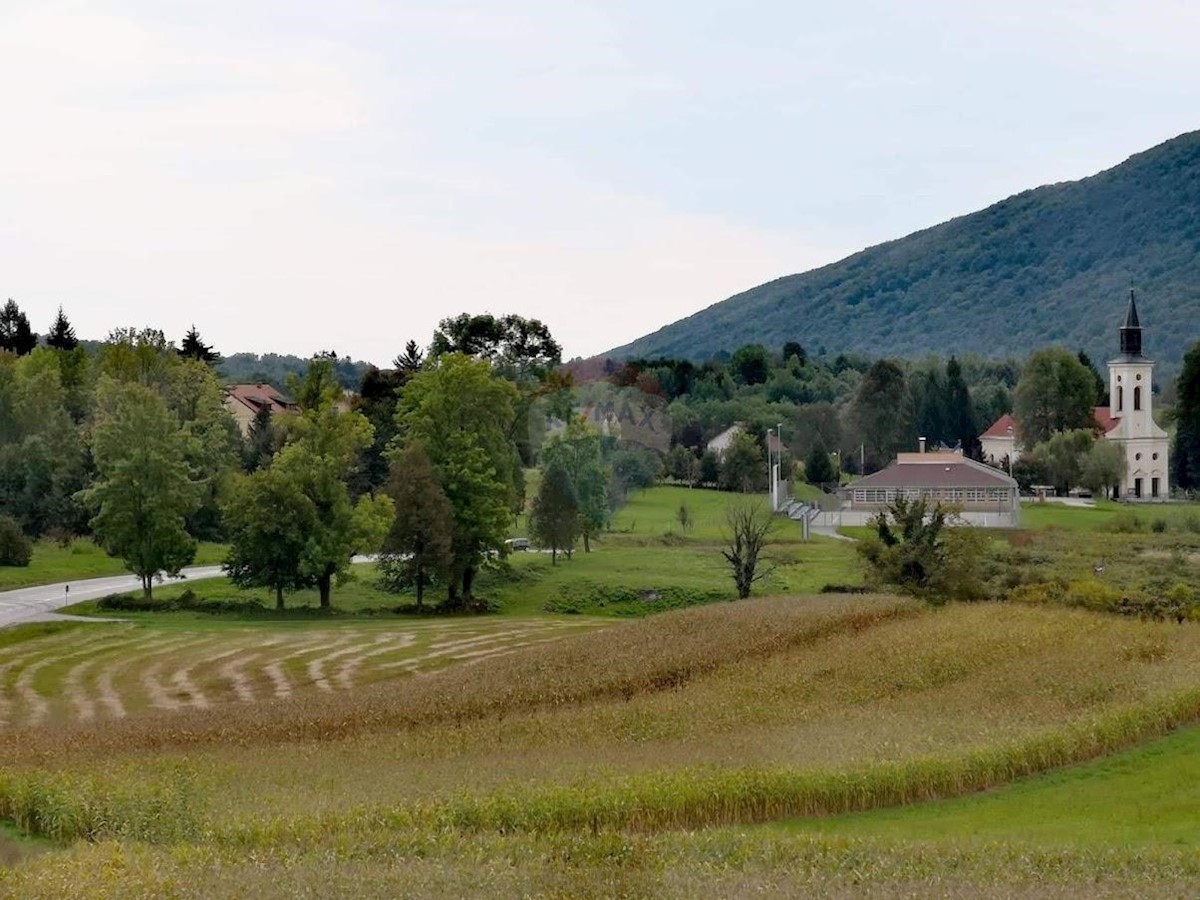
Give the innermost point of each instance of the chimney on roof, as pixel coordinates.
(921, 444)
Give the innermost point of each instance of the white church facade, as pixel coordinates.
(1128, 420)
(1131, 400)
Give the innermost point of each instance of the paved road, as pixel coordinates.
(38, 604)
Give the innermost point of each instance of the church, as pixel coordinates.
(1128, 420)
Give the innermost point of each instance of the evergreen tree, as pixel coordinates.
(1186, 452)
(554, 520)
(579, 451)
(194, 348)
(262, 441)
(419, 544)
(411, 359)
(62, 335)
(961, 426)
(1101, 386)
(929, 405)
(15, 334)
(818, 467)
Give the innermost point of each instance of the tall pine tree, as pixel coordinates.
(194, 348)
(554, 519)
(961, 426)
(62, 335)
(15, 334)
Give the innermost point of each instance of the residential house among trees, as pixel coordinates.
(245, 400)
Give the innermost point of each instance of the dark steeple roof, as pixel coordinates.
(1131, 331)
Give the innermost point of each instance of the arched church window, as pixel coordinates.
(1137, 398)
(1120, 398)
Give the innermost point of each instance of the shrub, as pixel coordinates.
(595, 599)
(1126, 523)
(185, 602)
(15, 548)
(1159, 526)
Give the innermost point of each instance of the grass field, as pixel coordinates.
(1146, 797)
(572, 745)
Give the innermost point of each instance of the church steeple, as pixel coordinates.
(1131, 331)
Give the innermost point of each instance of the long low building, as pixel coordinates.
(986, 496)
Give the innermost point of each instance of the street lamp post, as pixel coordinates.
(771, 472)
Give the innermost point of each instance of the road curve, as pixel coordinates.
(40, 604)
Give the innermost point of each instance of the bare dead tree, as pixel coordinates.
(747, 524)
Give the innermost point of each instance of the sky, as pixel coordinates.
(296, 176)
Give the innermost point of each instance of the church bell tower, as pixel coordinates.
(1130, 379)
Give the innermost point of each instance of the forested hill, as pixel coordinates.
(1050, 265)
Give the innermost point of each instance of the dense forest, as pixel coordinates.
(1047, 266)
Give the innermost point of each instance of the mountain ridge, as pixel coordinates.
(1051, 264)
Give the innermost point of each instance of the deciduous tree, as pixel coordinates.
(914, 550)
(461, 412)
(742, 465)
(322, 448)
(269, 522)
(1062, 457)
(1103, 467)
(143, 494)
(1056, 393)
(748, 523)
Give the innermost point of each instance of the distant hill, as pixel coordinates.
(1050, 265)
(270, 368)
(273, 368)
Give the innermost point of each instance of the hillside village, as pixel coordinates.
(878, 578)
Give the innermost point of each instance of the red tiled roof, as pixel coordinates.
(942, 473)
(255, 396)
(1005, 426)
(1105, 419)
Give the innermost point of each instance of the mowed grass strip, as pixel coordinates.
(113, 670)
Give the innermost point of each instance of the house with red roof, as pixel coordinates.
(244, 401)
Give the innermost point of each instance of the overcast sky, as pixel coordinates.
(294, 176)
